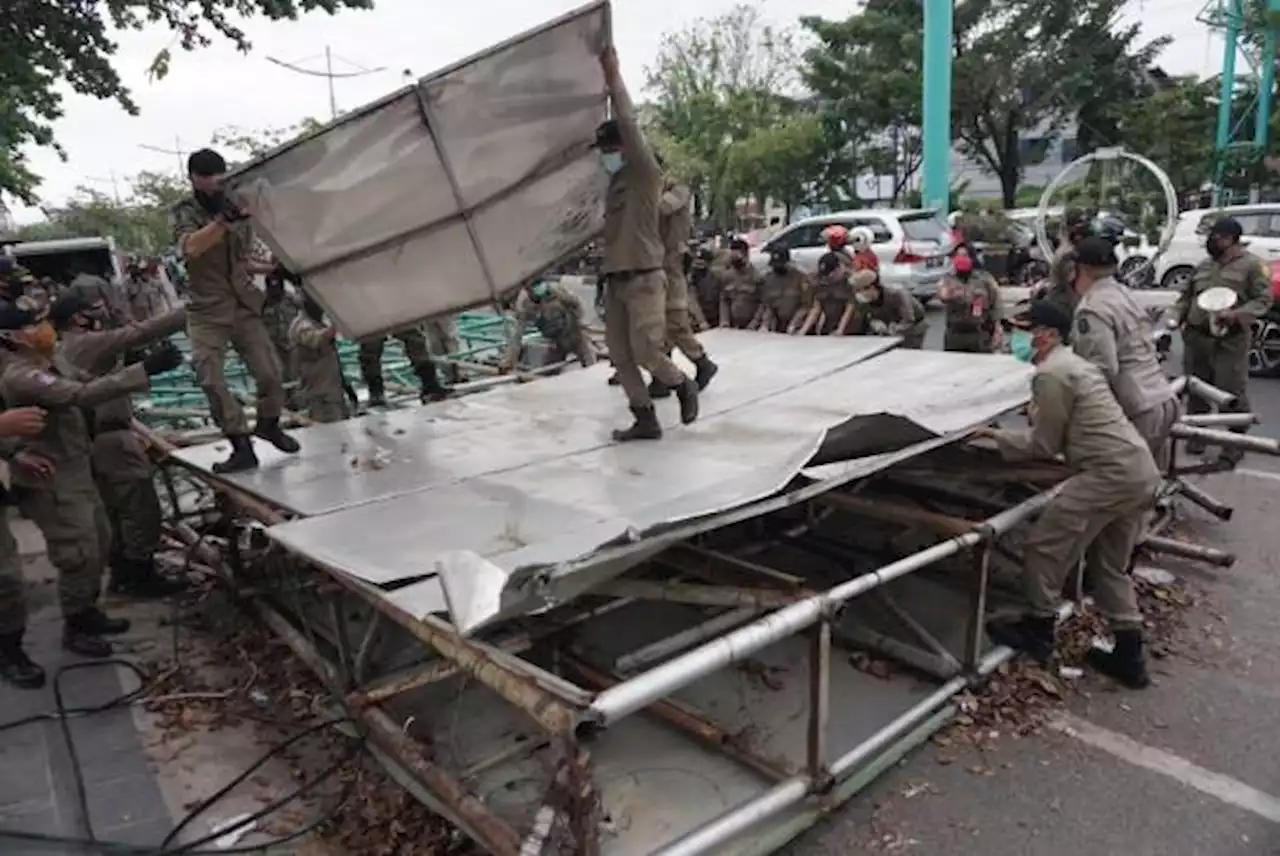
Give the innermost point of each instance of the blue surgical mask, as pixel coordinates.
(611, 161)
(540, 291)
(1021, 345)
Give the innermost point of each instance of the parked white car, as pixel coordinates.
(912, 245)
(1261, 225)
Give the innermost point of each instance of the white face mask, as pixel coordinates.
(611, 161)
(863, 296)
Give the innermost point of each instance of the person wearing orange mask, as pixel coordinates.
(54, 477)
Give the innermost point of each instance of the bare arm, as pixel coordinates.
(845, 318)
(634, 145)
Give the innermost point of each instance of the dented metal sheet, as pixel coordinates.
(448, 192)
(345, 464)
(519, 539)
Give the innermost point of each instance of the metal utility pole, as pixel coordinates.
(328, 74)
(176, 151)
(936, 109)
(1255, 41)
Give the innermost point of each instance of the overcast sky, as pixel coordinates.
(219, 87)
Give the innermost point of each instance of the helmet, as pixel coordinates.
(836, 236)
(861, 238)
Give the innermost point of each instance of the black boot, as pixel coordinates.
(432, 389)
(118, 566)
(242, 456)
(687, 392)
(82, 633)
(270, 430)
(139, 578)
(1032, 635)
(1125, 664)
(377, 392)
(15, 666)
(646, 426)
(706, 371)
(614, 380)
(658, 389)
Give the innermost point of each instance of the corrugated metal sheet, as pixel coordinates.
(490, 533)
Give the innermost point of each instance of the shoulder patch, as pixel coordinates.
(1082, 325)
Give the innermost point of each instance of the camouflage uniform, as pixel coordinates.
(558, 318)
(895, 313)
(322, 391)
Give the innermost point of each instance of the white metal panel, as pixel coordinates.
(518, 539)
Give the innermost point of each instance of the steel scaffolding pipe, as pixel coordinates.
(1219, 420)
(643, 690)
(1210, 393)
(791, 792)
(1228, 439)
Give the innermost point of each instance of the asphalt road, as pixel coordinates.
(1189, 767)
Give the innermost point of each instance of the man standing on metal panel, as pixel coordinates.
(419, 355)
(675, 211)
(1216, 349)
(635, 284)
(215, 240)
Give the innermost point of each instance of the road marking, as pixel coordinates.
(1223, 788)
(1259, 474)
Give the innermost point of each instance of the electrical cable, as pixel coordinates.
(64, 715)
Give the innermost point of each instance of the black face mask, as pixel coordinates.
(779, 267)
(213, 203)
(1213, 248)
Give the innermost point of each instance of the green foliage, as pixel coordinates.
(139, 223)
(777, 161)
(48, 46)
(1173, 127)
(240, 144)
(713, 85)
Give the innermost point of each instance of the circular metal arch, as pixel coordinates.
(1112, 154)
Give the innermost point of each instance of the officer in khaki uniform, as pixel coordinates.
(1222, 361)
(1062, 266)
(224, 308)
(323, 388)
(54, 483)
(121, 468)
(16, 667)
(419, 355)
(278, 311)
(785, 295)
(442, 340)
(887, 310)
(1114, 333)
(832, 311)
(634, 257)
(705, 286)
(971, 298)
(1099, 512)
(556, 312)
(739, 288)
(675, 225)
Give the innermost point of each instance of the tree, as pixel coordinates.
(865, 72)
(1020, 69)
(139, 223)
(715, 83)
(777, 162)
(249, 144)
(1174, 127)
(48, 43)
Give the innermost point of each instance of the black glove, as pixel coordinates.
(131, 357)
(163, 359)
(285, 275)
(230, 212)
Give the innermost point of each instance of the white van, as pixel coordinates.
(62, 259)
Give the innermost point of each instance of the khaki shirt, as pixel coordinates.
(739, 295)
(1076, 417)
(217, 280)
(557, 317)
(65, 440)
(972, 305)
(632, 241)
(1114, 333)
(146, 298)
(1242, 272)
(675, 211)
(316, 358)
(897, 309)
(832, 294)
(117, 452)
(784, 296)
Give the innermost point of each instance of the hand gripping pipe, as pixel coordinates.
(626, 698)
